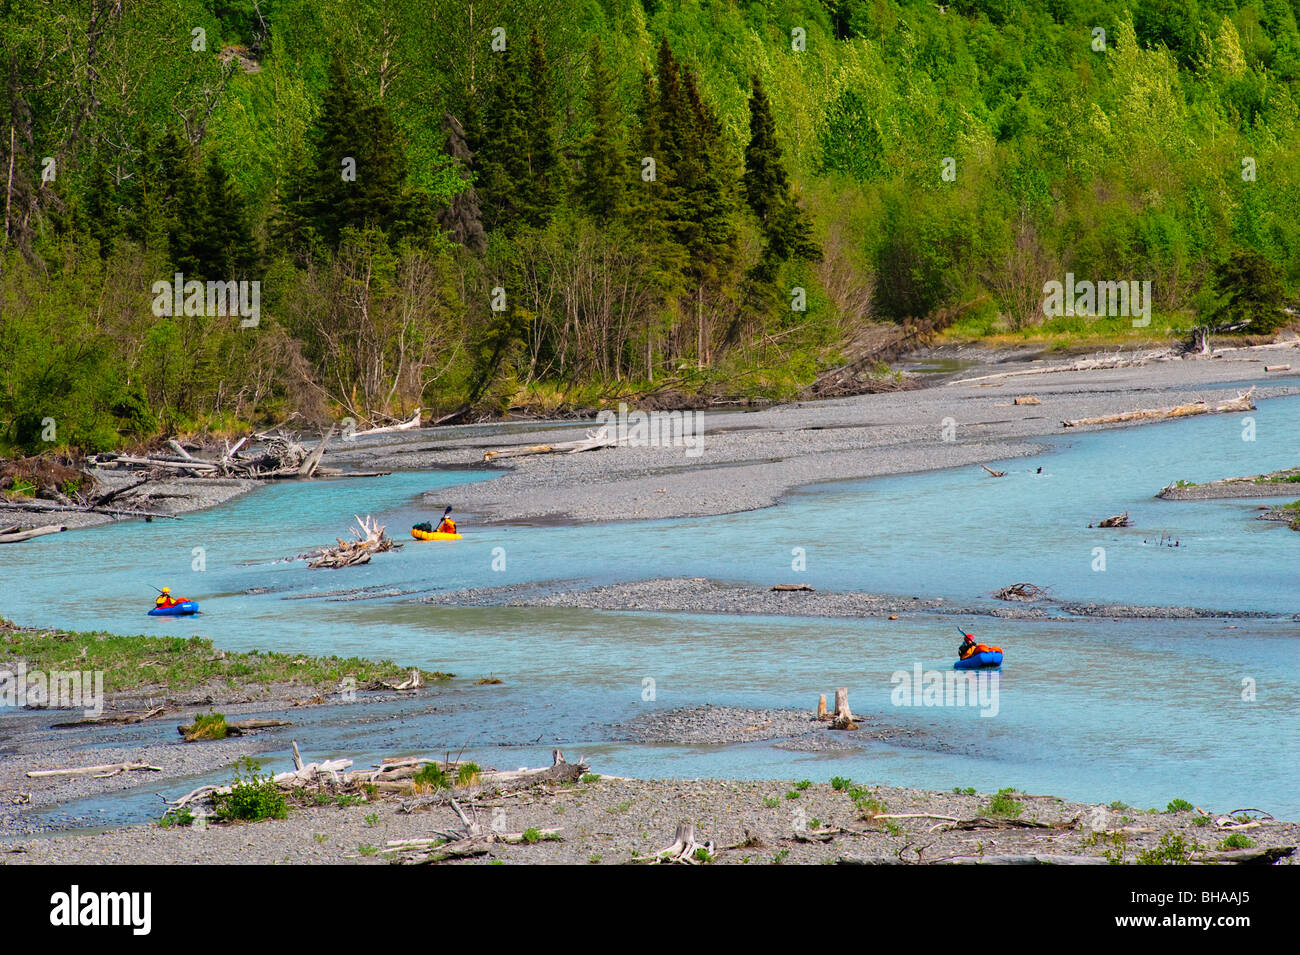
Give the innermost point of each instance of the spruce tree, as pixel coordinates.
(180, 200)
(605, 177)
(503, 148)
(545, 187)
(224, 245)
(349, 129)
(787, 231)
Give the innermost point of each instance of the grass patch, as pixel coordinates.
(430, 778)
(1179, 805)
(1236, 840)
(131, 663)
(590, 778)
(841, 784)
(208, 726)
(1005, 804)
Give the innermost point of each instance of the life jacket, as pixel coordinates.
(980, 648)
(448, 526)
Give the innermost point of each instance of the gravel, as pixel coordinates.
(702, 595)
(616, 821)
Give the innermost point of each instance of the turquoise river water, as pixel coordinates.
(1095, 709)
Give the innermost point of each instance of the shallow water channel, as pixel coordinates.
(1095, 709)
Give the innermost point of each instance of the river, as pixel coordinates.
(1090, 709)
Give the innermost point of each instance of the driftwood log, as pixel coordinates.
(15, 536)
(1083, 364)
(1119, 520)
(1242, 402)
(114, 719)
(593, 440)
(368, 539)
(238, 728)
(473, 840)
(409, 425)
(99, 772)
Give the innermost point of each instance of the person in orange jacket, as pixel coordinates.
(448, 526)
(165, 598)
(969, 647)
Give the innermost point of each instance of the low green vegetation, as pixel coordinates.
(1179, 805)
(1004, 803)
(589, 778)
(968, 791)
(1172, 850)
(208, 726)
(430, 777)
(1235, 840)
(841, 784)
(134, 662)
(252, 797)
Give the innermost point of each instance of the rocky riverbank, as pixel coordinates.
(604, 821)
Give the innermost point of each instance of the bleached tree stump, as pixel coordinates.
(843, 719)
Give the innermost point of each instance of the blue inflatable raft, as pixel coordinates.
(980, 661)
(182, 609)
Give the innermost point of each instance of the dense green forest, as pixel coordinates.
(469, 205)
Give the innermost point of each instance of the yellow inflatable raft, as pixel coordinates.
(433, 535)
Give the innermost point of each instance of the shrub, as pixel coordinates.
(251, 798)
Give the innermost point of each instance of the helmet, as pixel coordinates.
(166, 590)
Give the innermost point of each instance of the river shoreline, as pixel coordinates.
(749, 460)
(620, 821)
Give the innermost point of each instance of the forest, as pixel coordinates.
(474, 206)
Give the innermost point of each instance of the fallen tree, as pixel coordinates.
(99, 772)
(15, 536)
(368, 539)
(1083, 364)
(409, 425)
(593, 440)
(1021, 591)
(1242, 402)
